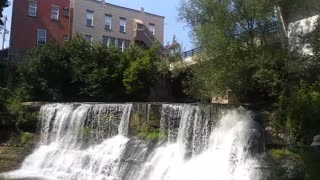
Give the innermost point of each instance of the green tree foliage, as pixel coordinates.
(81, 71)
(241, 47)
(144, 69)
(96, 70)
(5, 94)
(47, 75)
(303, 113)
(3, 4)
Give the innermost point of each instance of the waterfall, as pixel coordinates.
(78, 141)
(225, 152)
(93, 141)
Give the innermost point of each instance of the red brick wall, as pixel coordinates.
(24, 27)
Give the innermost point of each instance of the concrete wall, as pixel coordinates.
(100, 8)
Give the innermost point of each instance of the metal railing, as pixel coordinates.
(150, 36)
(190, 53)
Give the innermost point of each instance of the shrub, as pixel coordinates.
(286, 164)
(303, 113)
(5, 94)
(25, 137)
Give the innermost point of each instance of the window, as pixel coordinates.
(42, 36)
(112, 41)
(89, 38)
(32, 10)
(108, 22)
(89, 18)
(106, 40)
(65, 11)
(152, 28)
(65, 38)
(120, 41)
(121, 44)
(55, 13)
(122, 25)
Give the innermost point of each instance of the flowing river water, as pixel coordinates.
(92, 142)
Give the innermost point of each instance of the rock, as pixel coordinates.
(34, 106)
(228, 98)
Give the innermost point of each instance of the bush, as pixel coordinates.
(303, 113)
(5, 95)
(80, 71)
(24, 120)
(286, 164)
(25, 138)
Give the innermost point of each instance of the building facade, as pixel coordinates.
(38, 22)
(101, 22)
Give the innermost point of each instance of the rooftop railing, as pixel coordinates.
(190, 53)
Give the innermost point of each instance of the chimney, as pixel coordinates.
(142, 9)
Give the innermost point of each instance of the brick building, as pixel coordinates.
(36, 22)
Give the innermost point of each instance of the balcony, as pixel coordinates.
(143, 36)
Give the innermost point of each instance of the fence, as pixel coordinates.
(190, 53)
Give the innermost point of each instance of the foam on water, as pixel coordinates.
(90, 141)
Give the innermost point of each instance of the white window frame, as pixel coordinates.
(55, 12)
(152, 28)
(39, 38)
(123, 23)
(107, 43)
(108, 21)
(89, 15)
(32, 8)
(123, 45)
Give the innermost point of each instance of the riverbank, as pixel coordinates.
(15, 147)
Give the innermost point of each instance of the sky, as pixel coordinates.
(167, 8)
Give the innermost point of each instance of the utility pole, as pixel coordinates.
(4, 31)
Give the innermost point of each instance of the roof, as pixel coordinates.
(133, 10)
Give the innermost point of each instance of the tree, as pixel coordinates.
(142, 72)
(81, 71)
(47, 74)
(241, 50)
(97, 71)
(3, 4)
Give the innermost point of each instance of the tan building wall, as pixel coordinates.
(100, 9)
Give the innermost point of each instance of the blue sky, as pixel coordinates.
(167, 8)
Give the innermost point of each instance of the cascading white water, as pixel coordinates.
(89, 141)
(225, 156)
(74, 142)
